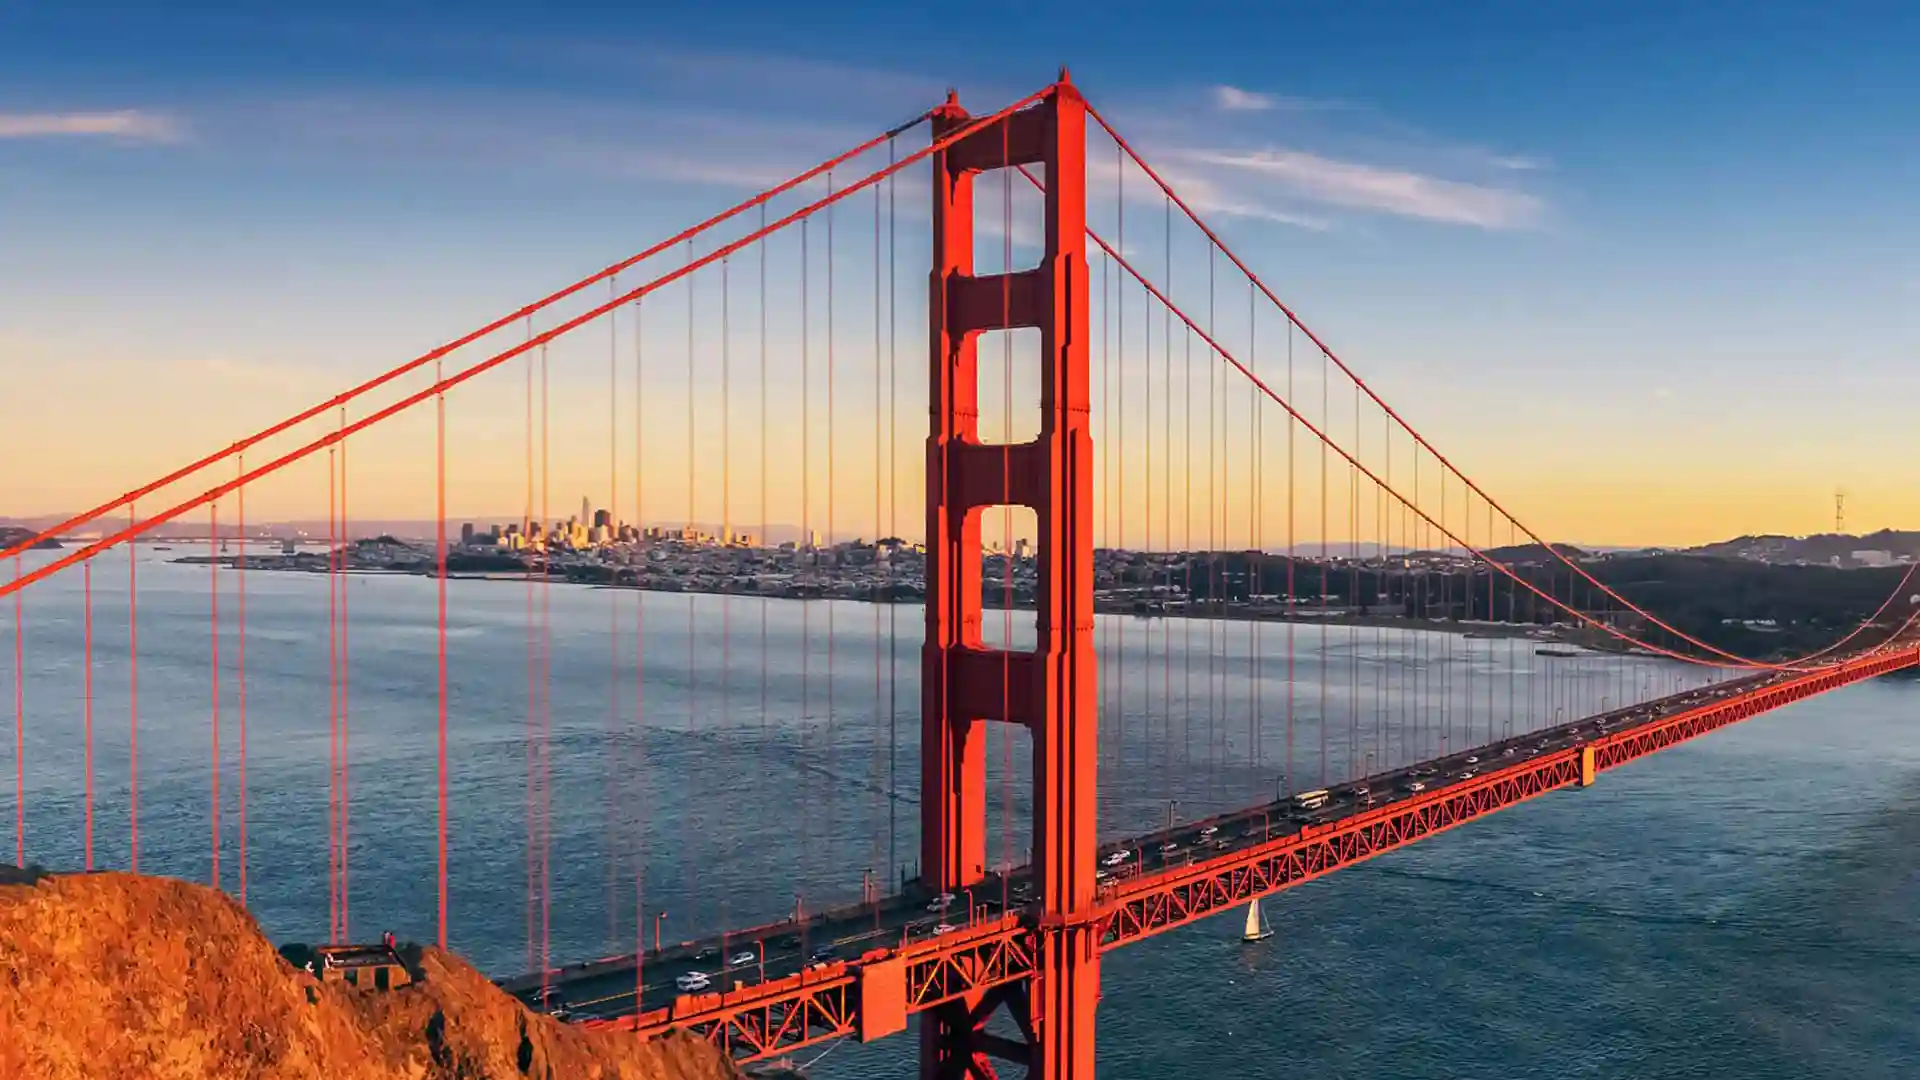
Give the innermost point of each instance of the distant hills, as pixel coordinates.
(11, 535)
(1820, 549)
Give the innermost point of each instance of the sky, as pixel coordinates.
(1649, 272)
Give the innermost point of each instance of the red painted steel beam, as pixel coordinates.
(1145, 906)
(787, 1014)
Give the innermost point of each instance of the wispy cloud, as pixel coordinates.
(1516, 162)
(1209, 198)
(1373, 188)
(556, 136)
(127, 125)
(1234, 99)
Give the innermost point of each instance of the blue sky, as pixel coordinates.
(1678, 242)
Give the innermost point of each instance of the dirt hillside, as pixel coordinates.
(119, 976)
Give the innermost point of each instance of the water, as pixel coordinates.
(1745, 906)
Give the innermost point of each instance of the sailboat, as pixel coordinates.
(1257, 929)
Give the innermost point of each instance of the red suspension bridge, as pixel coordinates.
(1173, 554)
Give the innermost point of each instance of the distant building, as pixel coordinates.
(466, 534)
(603, 519)
(1873, 558)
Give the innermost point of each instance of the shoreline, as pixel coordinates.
(1228, 613)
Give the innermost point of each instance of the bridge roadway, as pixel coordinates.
(806, 970)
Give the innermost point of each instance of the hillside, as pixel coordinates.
(115, 975)
(10, 535)
(1819, 549)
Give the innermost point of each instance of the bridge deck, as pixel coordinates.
(791, 993)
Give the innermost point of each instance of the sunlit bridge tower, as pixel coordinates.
(1050, 691)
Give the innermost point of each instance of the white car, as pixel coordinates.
(944, 928)
(747, 957)
(1116, 858)
(692, 981)
(1473, 759)
(941, 902)
(1169, 848)
(1207, 833)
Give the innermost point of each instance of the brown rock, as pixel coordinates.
(119, 976)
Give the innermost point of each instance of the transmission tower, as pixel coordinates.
(1839, 512)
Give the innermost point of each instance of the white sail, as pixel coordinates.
(1255, 931)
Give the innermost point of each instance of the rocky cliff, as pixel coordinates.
(116, 975)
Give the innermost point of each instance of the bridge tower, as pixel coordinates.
(1050, 691)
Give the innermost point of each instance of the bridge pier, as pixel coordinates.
(1052, 690)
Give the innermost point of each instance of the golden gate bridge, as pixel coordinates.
(1177, 442)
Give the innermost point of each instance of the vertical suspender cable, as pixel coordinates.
(689, 539)
(333, 699)
(1214, 572)
(611, 756)
(1187, 542)
(1293, 558)
(766, 539)
(809, 560)
(879, 457)
(1257, 562)
(86, 577)
(19, 722)
(440, 641)
(726, 540)
(213, 673)
(1326, 575)
(133, 695)
(1166, 498)
(1103, 630)
(545, 804)
(528, 530)
(1352, 598)
(833, 788)
(346, 541)
(893, 515)
(1147, 764)
(1119, 539)
(636, 834)
(240, 665)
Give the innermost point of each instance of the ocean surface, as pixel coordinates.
(1744, 906)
